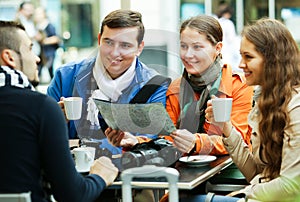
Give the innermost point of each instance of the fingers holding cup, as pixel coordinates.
(209, 116)
(218, 111)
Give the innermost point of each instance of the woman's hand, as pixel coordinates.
(119, 138)
(226, 127)
(184, 140)
(209, 115)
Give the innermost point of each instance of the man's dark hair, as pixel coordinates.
(124, 18)
(8, 37)
(224, 8)
(23, 4)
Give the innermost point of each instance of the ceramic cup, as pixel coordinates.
(84, 158)
(222, 109)
(73, 107)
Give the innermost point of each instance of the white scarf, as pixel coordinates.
(109, 89)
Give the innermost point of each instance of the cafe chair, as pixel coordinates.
(150, 171)
(16, 197)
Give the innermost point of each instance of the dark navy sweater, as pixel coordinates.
(34, 138)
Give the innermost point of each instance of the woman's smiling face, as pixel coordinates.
(196, 51)
(252, 62)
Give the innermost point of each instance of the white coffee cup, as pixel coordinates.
(222, 109)
(84, 158)
(73, 107)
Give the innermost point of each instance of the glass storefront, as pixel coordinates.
(78, 21)
(246, 11)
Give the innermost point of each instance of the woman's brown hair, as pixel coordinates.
(206, 25)
(279, 77)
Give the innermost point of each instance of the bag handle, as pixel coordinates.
(149, 88)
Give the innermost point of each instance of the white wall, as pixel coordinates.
(106, 6)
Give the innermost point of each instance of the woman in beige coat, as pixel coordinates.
(270, 60)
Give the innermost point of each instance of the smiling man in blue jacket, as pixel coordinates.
(115, 74)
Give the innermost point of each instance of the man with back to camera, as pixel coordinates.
(115, 74)
(34, 137)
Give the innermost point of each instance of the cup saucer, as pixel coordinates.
(82, 170)
(197, 160)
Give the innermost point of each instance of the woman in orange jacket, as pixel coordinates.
(205, 75)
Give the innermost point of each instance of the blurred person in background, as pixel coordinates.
(25, 17)
(49, 41)
(230, 50)
(34, 140)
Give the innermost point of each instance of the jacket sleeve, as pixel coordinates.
(63, 82)
(62, 86)
(54, 87)
(172, 102)
(241, 154)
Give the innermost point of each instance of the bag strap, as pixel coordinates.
(149, 88)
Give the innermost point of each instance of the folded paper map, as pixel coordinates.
(150, 118)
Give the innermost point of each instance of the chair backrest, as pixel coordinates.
(17, 197)
(149, 171)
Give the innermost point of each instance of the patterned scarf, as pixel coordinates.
(13, 77)
(192, 111)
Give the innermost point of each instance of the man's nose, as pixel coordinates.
(115, 51)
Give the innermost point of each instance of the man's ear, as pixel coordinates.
(7, 58)
(140, 48)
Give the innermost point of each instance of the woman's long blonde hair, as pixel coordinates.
(279, 77)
